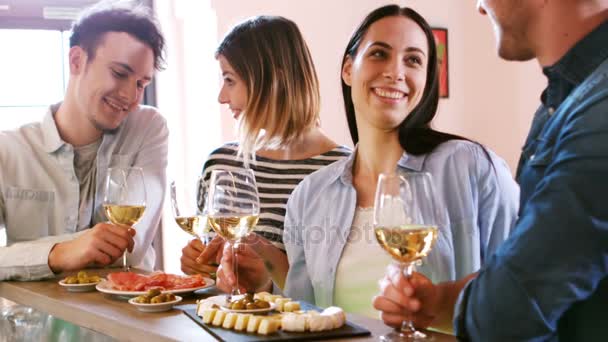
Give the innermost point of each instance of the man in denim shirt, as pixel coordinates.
(549, 280)
(53, 172)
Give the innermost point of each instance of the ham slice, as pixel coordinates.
(129, 281)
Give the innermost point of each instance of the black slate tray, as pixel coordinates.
(348, 330)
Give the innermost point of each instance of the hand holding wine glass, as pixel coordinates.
(125, 198)
(405, 224)
(233, 208)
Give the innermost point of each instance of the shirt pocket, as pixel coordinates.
(28, 213)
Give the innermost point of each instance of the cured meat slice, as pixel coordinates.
(129, 281)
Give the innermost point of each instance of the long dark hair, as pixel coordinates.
(415, 133)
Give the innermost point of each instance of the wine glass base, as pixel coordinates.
(399, 336)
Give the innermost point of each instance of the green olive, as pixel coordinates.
(153, 293)
(157, 299)
(71, 280)
(261, 304)
(82, 275)
(170, 297)
(238, 305)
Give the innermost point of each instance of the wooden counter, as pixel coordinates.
(114, 317)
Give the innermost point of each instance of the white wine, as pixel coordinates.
(233, 227)
(193, 225)
(124, 214)
(407, 243)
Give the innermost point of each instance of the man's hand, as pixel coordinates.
(100, 246)
(191, 253)
(253, 275)
(418, 299)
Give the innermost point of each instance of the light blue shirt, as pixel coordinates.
(481, 199)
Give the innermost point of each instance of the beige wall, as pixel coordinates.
(490, 100)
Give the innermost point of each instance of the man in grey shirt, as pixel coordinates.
(52, 172)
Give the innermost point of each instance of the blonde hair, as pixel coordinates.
(270, 55)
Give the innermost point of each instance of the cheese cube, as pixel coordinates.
(261, 296)
(280, 302)
(241, 322)
(219, 318)
(208, 315)
(291, 307)
(268, 326)
(336, 314)
(253, 324)
(273, 298)
(229, 320)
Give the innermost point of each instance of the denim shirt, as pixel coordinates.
(552, 273)
(481, 200)
(39, 190)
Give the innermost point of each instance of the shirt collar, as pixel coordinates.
(407, 161)
(575, 66)
(52, 140)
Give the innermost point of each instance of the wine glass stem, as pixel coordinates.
(407, 326)
(235, 267)
(125, 265)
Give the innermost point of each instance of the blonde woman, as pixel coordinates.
(271, 87)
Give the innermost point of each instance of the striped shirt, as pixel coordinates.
(275, 179)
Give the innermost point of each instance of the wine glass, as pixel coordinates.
(189, 216)
(233, 208)
(406, 222)
(125, 199)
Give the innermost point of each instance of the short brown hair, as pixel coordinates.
(271, 56)
(130, 17)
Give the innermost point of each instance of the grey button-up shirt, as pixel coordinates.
(39, 190)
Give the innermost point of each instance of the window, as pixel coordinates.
(34, 74)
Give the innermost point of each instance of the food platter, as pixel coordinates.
(105, 287)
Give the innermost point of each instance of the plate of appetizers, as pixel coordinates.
(155, 301)
(239, 303)
(82, 282)
(133, 284)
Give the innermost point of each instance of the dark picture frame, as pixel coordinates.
(441, 40)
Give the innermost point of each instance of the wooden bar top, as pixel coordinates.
(115, 317)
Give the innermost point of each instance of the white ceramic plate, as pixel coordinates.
(105, 287)
(79, 287)
(158, 307)
(221, 302)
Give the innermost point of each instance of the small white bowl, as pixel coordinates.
(79, 287)
(157, 307)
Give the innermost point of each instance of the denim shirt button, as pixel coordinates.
(551, 110)
(532, 157)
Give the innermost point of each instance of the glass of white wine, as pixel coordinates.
(406, 220)
(125, 198)
(189, 216)
(233, 208)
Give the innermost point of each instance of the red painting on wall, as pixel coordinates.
(441, 40)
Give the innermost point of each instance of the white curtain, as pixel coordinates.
(187, 96)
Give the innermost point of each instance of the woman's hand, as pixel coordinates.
(253, 275)
(191, 253)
